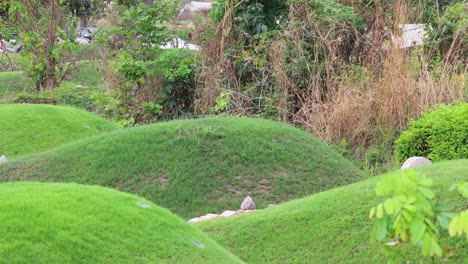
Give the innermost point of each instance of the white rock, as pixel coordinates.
(3, 159)
(243, 211)
(248, 204)
(228, 213)
(194, 220)
(208, 217)
(415, 162)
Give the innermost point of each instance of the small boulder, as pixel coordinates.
(248, 204)
(415, 162)
(3, 159)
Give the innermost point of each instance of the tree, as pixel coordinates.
(84, 9)
(47, 45)
(148, 82)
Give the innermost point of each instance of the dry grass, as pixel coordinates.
(362, 111)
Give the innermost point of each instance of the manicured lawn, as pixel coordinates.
(329, 227)
(194, 167)
(26, 129)
(70, 223)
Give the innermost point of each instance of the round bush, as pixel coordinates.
(441, 134)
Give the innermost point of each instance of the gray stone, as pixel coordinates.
(3, 159)
(415, 162)
(248, 204)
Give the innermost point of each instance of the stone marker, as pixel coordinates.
(248, 204)
(415, 162)
(3, 159)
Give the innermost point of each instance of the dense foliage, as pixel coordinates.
(410, 214)
(148, 83)
(333, 67)
(47, 38)
(440, 134)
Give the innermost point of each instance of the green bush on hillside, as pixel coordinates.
(66, 94)
(441, 134)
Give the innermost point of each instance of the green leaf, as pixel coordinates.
(426, 182)
(380, 211)
(372, 213)
(427, 245)
(389, 206)
(426, 192)
(418, 233)
(409, 207)
(381, 230)
(436, 248)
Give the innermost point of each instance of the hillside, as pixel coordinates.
(329, 227)
(69, 223)
(26, 129)
(194, 167)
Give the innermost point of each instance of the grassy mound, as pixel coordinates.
(194, 167)
(329, 227)
(66, 223)
(27, 129)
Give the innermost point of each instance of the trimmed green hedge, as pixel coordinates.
(441, 134)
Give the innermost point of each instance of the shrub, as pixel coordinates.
(441, 134)
(66, 94)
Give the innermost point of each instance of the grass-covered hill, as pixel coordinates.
(28, 129)
(194, 167)
(329, 227)
(70, 223)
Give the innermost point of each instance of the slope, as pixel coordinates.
(70, 223)
(329, 227)
(27, 129)
(194, 167)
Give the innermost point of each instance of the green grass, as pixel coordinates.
(88, 73)
(11, 83)
(329, 227)
(194, 167)
(70, 223)
(27, 129)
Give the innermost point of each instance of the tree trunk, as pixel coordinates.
(50, 60)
